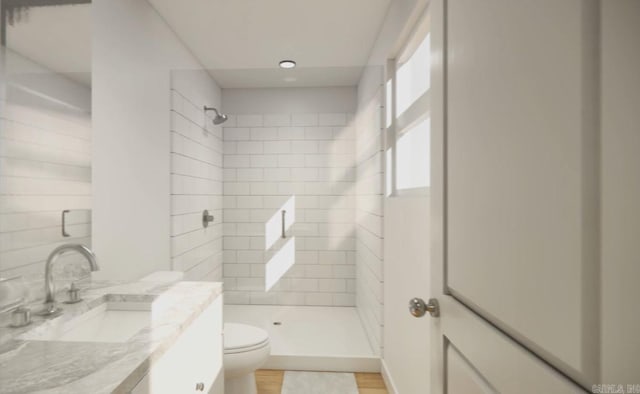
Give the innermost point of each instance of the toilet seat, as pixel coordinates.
(242, 338)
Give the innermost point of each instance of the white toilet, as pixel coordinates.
(246, 348)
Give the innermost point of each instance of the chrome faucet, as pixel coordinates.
(48, 274)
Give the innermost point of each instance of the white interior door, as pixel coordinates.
(620, 192)
(515, 194)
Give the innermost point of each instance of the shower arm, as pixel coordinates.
(219, 118)
(211, 109)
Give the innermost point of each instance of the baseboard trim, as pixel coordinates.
(388, 380)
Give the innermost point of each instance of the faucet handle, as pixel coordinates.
(20, 317)
(74, 294)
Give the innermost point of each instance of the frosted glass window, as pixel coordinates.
(388, 171)
(389, 96)
(413, 157)
(412, 77)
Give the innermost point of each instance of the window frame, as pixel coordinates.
(417, 111)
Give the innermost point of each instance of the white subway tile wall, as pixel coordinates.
(267, 159)
(196, 178)
(369, 216)
(45, 168)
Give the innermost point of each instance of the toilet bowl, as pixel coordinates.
(246, 348)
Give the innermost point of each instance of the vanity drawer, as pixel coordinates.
(195, 360)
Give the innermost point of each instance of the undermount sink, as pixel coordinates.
(108, 322)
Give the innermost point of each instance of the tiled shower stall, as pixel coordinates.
(269, 159)
(296, 146)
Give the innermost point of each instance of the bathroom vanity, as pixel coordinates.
(140, 337)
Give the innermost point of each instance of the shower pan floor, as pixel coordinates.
(311, 338)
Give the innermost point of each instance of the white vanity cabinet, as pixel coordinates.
(194, 363)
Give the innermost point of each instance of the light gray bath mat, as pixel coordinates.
(319, 383)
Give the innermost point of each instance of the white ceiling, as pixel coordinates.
(58, 38)
(242, 41)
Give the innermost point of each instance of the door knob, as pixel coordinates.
(418, 308)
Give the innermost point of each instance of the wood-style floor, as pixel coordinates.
(270, 382)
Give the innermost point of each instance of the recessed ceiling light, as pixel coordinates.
(287, 64)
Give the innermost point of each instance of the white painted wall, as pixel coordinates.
(289, 100)
(280, 143)
(196, 176)
(134, 51)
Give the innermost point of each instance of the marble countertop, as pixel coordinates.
(38, 366)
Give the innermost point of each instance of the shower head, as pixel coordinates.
(220, 118)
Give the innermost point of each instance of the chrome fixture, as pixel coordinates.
(206, 218)
(64, 223)
(20, 314)
(220, 118)
(287, 64)
(49, 289)
(284, 213)
(418, 308)
(20, 317)
(14, 293)
(73, 294)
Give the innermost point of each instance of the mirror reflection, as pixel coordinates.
(45, 139)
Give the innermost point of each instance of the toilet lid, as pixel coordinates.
(239, 336)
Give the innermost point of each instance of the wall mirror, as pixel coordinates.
(45, 136)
